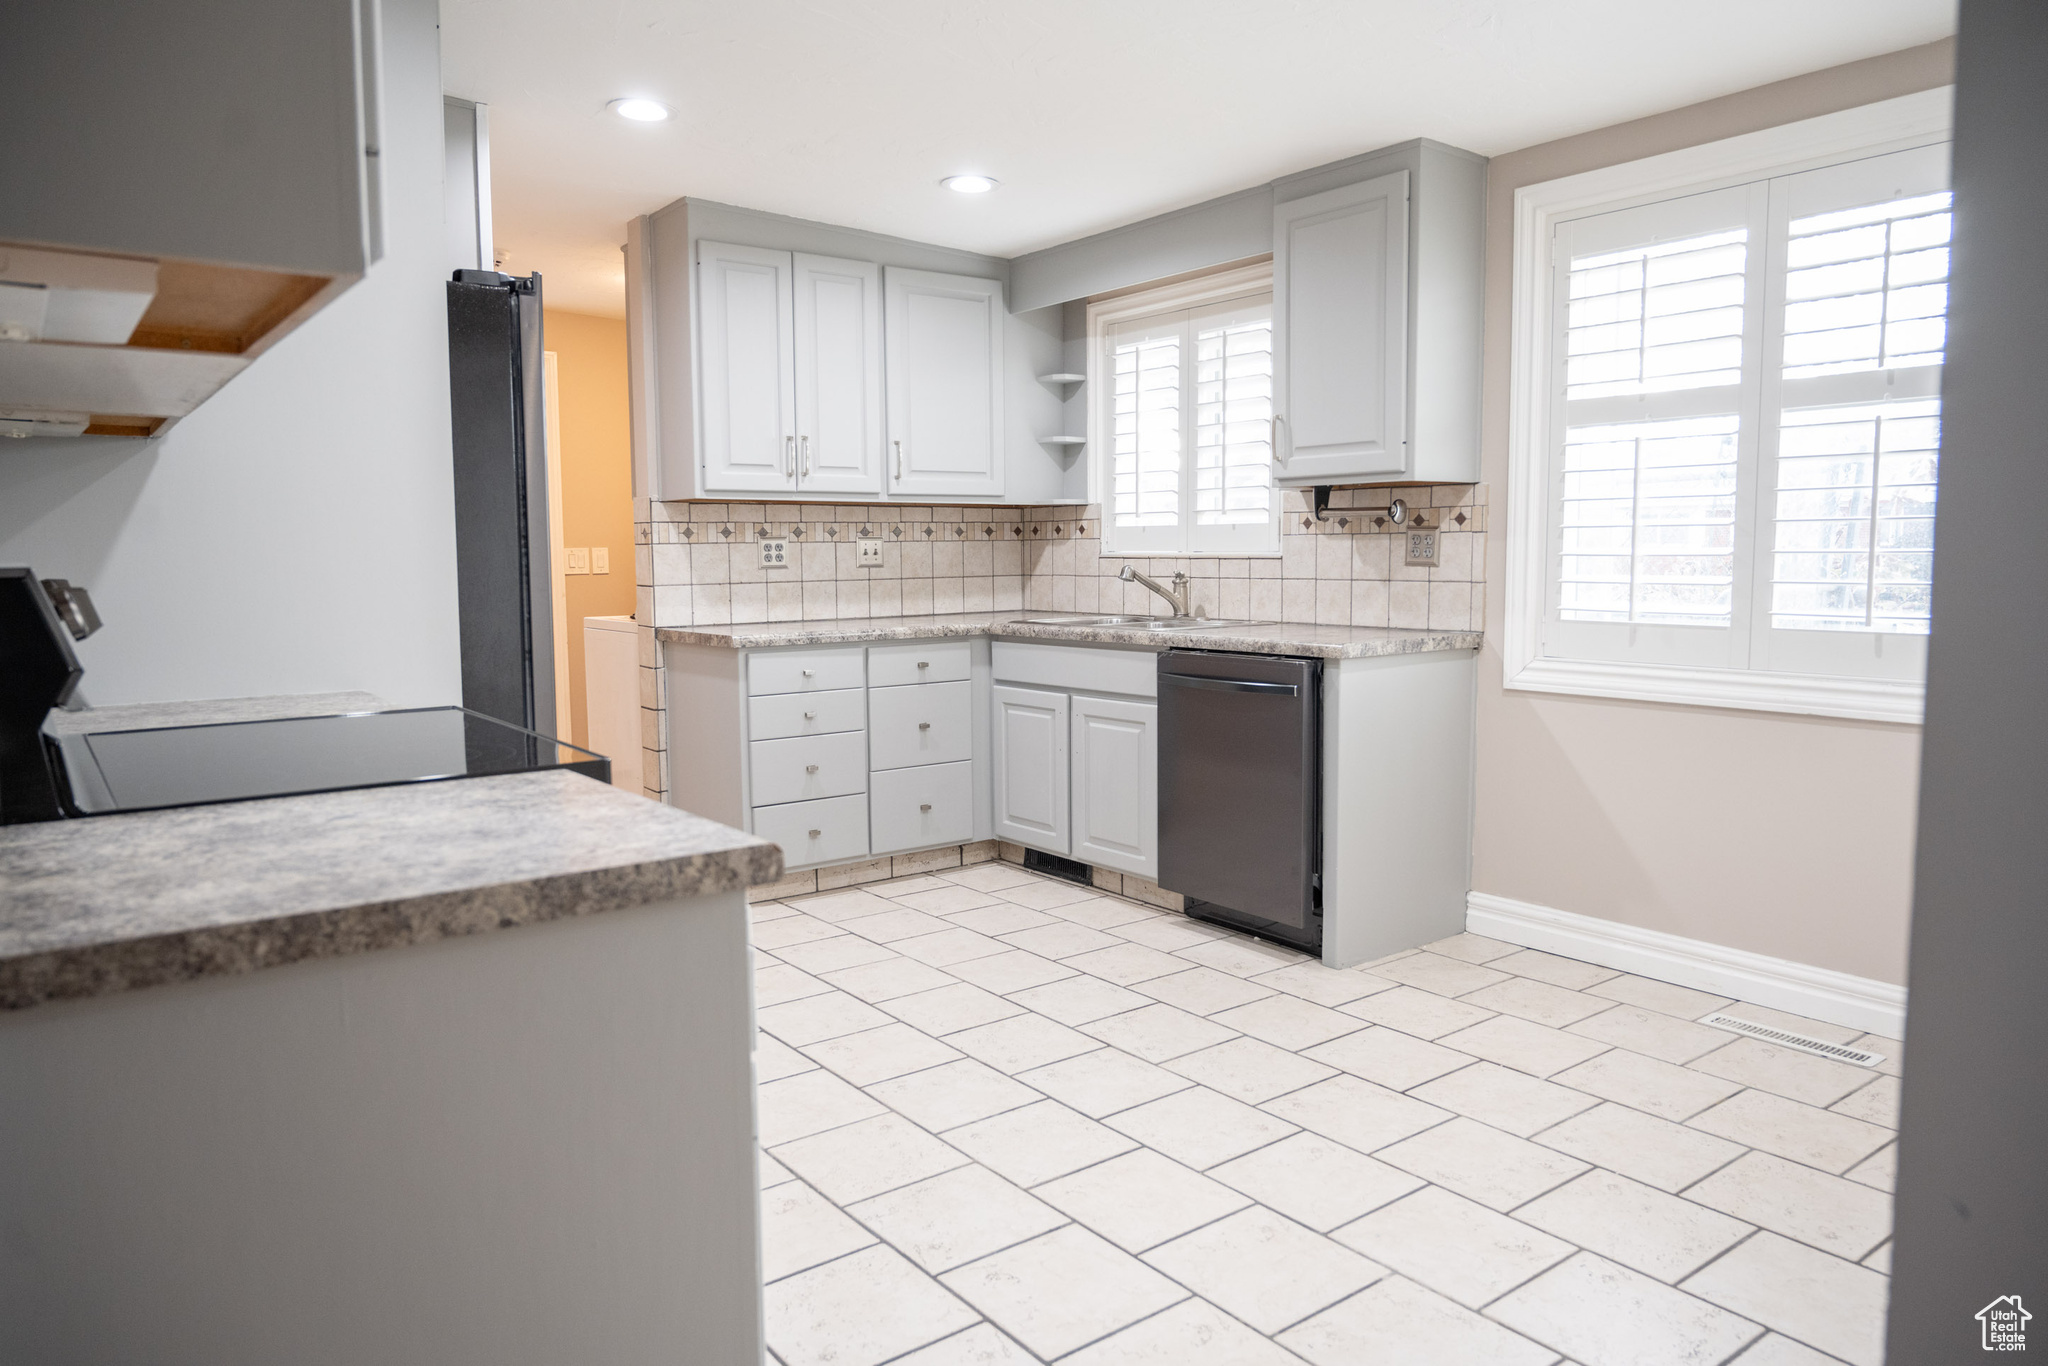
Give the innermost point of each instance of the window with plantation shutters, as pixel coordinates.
(1743, 423)
(1187, 424)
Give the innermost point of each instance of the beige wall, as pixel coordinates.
(1777, 834)
(597, 476)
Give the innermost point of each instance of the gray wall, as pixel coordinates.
(296, 533)
(1972, 1211)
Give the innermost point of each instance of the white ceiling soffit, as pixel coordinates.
(1091, 113)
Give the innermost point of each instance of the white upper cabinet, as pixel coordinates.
(945, 366)
(1340, 328)
(1378, 313)
(838, 375)
(747, 388)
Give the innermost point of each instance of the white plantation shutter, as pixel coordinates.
(1745, 423)
(1851, 401)
(1190, 430)
(1656, 322)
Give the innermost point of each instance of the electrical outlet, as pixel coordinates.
(774, 553)
(870, 552)
(600, 559)
(1421, 549)
(578, 559)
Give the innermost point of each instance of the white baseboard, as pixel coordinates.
(1817, 993)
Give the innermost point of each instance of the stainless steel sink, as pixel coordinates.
(1136, 623)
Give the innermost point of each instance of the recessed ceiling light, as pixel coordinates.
(639, 110)
(969, 184)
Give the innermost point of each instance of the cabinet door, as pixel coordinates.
(1031, 767)
(945, 378)
(1115, 759)
(746, 363)
(838, 375)
(1340, 331)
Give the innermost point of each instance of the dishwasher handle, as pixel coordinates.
(1230, 684)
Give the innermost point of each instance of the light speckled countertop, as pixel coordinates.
(111, 903)
(1272, 638)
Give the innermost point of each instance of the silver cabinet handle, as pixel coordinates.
(807, 673)
(810, 768)
(899, 460)
(926, 806)
(810, 716)
(924, 663)
(805, 442)
(924, 725)
(816, 833)
(789, 457)
(1273, 437)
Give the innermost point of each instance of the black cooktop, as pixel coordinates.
(144, 770)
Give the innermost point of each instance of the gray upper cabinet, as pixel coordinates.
(790, 371)
(747, 382)
(1340, 334)
(945, 349)
(838, 375)
(185, 185)
(239, 131)
(1378, 308)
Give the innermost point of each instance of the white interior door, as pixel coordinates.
(1115, 756)
(1340, 331)
(1031, 767)
(944, 336)
(746, 368)
(838, 375)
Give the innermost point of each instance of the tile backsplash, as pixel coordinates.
(698, 563)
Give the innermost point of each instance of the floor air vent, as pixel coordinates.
(1818, 1047)
(1052, 865)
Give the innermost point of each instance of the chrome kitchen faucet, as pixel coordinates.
(1176, 597)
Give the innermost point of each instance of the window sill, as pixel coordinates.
(1857, 699)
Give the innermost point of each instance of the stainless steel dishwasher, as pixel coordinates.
(1240, 791)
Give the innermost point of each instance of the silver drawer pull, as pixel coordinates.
(810, 768)
(816, 833)
(924, 663)
(809, 674)
(810, 716)
(924, 725)
(925, 807)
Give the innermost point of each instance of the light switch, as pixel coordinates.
(869, 552)
(1421, 549)
(600, 559)
(774, 553)
(578, 559)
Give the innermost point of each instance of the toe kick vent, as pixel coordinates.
(1820, 1048)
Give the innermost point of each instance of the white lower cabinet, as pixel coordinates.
(911, 808)
(1031, 767)
(1114, 749)
(828, 831)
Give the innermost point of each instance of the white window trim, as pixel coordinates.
(1217, 287)
(1890, 125)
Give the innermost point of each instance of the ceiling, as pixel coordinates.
(1090, 112)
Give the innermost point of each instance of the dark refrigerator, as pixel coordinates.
(504, 579)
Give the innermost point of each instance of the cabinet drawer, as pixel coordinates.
(808, 766)
(805, 671)
(1131, 673)
(910, 808)
(828, 831)
(931, 661)
(786, 714)
(920, 725)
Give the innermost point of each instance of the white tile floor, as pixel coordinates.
(1012, 1120)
